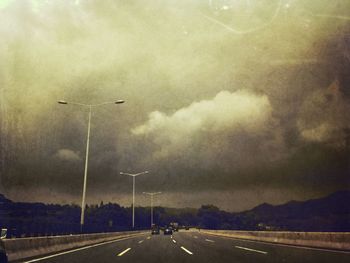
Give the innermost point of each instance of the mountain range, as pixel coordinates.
(327, 214)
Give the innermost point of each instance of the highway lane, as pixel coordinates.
(192, 246)
(106, 252)
(251, 251)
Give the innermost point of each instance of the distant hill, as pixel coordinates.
(4, 200)
(336, 203)
(331, 213)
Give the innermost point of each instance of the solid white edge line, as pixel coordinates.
(186, 250)
(209, 240)
(75, 250)
(253, 250)
(284, 245)
(123, 252)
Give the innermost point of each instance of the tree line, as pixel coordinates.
(328, 214)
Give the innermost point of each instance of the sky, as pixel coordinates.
(231, 103)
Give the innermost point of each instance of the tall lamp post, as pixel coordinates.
(90, 107)
(152, 194)
(133, 194)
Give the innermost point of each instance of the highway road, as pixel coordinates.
(193, 246)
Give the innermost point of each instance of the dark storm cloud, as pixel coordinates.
(220, 99)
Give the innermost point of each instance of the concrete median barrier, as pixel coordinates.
(325, 240)
(29, 247)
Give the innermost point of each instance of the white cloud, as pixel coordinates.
(68, 155)
(241, 111)
(316, 134)
(324, 117)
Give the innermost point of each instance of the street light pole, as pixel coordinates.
(85, 172)
(133, 202)
(133, 194)
(90, 106)
(152, 194)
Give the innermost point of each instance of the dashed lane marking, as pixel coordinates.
(123, 252)
(253, 250)
(186, 250)
(74, 250)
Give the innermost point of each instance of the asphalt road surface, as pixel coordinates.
(193, 246)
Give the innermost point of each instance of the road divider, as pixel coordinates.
(21, 248)
(324, 240)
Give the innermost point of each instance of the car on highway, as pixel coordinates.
(174, 226)
(155, 231)
(3, 255)
(168, 231)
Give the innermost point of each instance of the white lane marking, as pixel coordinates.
(253, 250)
(209, 240)
(148, 237)
(141, 241)
(74, 250)
(195, 237)
(123, 252)
(186, 250)
(174, 241)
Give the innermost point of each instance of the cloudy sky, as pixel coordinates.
(231, 103)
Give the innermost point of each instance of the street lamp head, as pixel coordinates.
(62, 102)
(119, 102)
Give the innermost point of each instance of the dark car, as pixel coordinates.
(3, 255)
(168, 231)
(155, 231)
(187, 228)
